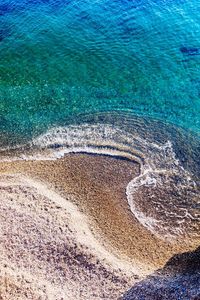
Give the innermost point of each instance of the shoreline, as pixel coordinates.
(90, 187)
(95, 185)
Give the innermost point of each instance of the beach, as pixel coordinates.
(68, 232)
(99, 150)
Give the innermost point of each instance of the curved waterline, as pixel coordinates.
(164, 197)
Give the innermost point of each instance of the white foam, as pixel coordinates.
(157, 161)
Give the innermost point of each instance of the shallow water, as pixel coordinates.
(64, 62)
(165, 196)
(118, 78)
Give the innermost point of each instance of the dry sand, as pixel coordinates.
(66, 231)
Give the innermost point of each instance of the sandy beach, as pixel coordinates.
(67, 231)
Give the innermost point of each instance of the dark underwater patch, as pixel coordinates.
(190, 50)
(6, 8)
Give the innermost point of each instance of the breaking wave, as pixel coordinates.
(164, 197)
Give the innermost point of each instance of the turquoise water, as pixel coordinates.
(109, 77)
(60, 59)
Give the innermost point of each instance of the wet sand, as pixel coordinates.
(43, 238)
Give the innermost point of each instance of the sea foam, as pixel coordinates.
(164, 197)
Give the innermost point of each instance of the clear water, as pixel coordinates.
(116, 77)
(60, 59)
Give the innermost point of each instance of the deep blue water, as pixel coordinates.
(60, 59)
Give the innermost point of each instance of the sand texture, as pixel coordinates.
(67, 231)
